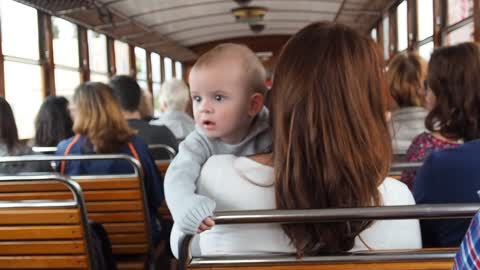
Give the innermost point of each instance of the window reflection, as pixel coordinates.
(141, 63)
(65, 42)
(425, 19)
(402, 26)
(459, 10)
(178, 70)
(156, 69)
(121, 58)
(97, 51)
(167, 62)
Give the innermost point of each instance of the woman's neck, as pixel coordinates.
(439, 136)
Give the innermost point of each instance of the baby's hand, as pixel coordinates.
(207, 224)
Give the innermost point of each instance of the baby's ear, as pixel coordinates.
(256, 104)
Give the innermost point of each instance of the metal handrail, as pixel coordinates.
(44, 149)
(398, 167)
(425, 211)
(78, 199)
(170, 150)
(137, 167)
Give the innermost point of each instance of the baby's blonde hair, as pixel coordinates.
(255, 74)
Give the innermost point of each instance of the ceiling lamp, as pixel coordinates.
(249, 14)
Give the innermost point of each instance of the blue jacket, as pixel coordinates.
(153, 179)
(448, 176)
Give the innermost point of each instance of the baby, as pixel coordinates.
(227, 88)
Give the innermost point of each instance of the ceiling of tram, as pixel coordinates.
(173, 27)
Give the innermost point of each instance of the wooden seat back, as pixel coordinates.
(49, 233)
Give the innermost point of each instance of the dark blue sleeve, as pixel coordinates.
(153, 179)
(423, 183)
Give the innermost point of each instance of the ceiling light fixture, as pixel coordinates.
(249, 14)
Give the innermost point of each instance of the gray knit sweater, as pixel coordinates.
(188, 208)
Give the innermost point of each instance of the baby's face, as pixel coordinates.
(220, 101)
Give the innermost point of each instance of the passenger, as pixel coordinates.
(406, 74)
(331, 149)
(468, 255)
(227, 88)
(448, 95)
(451, 175)
(173, 99)
(53, 122)
(128, 94)
(101, 129)
(11, 146)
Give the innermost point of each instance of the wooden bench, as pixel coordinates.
(118, 202)
(381, 259)
(46, 234)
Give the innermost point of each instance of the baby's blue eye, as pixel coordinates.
(197, 98)
(219, 97)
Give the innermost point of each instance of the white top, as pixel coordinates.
(180, 123)
(239, 183)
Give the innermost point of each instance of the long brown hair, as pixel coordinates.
(331, 146)
(454, 79)
(8, 127)
(406, 73)
(98, 116)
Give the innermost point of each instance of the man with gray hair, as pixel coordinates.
(173, 100)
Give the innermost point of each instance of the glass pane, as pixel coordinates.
(121, 58)
(65, 42)
(97, 51)
(178, 70)
(373, 34)
(167, 62)
(402, 26)
(95, 77)
(425, 19)
(156, 73)
(143, 84)
(66, 81)
(463, 34)
(386, 38)
(141, 62)
(18, 18)
(426, 50)
(24, 96)
(459, 10)
(156, 105)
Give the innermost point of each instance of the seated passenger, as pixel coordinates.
(451, 175)
(406, 74)
(53, 122)
(146, 106)
(173, 99)
(100, 129)
(448, 95)
(128, 93)
(11, 146)
(331, 149)
(468, 255)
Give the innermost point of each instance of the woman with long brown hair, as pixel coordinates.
(100, 128)
(331, 149)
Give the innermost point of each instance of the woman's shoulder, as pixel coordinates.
(395, 192)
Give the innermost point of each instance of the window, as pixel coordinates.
(121, 58)
(156, 79)
(178, 70)
(462, 34)
(425, 19)
(141, 62)
(21, 61)
(426, 50)
(373, 34)
(97, 52)
(65, 50)
(386, 38)
(167, 63)
(459, 10)
(402, 26)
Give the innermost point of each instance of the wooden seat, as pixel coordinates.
(162, 166)
(46, 234)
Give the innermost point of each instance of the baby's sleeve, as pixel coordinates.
(188, 208)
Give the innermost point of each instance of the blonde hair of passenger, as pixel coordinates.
(255, 74)
(99, 117)
(174, 94)
(406, 74)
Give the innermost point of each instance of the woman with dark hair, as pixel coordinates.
(100, 128)
(331, 149)
(11, 146)
(451, 175)
(53, 122)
